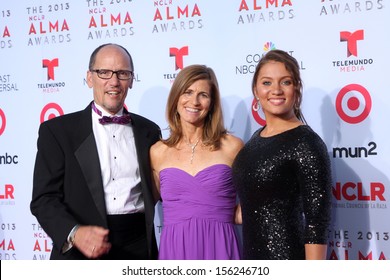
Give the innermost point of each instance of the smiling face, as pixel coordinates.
(110, 94)
(194, 103)
(274, 89)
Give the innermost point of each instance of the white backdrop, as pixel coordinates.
(341, 46)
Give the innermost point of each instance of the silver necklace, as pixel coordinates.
(193, 146)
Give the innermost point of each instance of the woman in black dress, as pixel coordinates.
(283, 174)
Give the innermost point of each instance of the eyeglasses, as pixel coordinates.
(107, 74)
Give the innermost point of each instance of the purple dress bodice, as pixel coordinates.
(198, 214)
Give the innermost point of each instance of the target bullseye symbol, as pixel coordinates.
(2, 121)
(353, 104)
(51, 115)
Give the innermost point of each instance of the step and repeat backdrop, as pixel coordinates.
(342, 47)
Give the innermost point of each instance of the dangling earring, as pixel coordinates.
(256, 107)
(297, 109)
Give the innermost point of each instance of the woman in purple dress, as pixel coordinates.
(192, 172)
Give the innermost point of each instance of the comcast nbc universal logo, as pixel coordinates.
(269, 46)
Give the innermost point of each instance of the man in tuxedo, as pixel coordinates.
(92, 190)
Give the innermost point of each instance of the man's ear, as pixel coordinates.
(89, 79)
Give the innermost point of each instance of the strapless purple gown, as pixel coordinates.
(198, 214)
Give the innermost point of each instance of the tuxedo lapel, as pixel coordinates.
(88, 158)
(140, 135)
(141, 143)
(142, 138)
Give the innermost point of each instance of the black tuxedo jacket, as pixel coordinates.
(67, 184)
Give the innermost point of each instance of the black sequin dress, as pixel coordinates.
(284, 185)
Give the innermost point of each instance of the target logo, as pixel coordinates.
(51, 111)
(2, 122)
(257, 113)
(353, 103)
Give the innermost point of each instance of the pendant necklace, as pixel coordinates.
(193, 149)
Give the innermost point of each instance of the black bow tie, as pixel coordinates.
(124, 119)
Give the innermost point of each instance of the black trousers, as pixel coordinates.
(127, 237)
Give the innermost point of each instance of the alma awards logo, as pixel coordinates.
(173, 18)
(107, 23)
(253, 11)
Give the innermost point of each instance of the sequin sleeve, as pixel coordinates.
(315, 183)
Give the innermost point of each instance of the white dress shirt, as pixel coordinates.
(119, 165)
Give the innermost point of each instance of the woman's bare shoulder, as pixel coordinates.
(232, 144)
(233, 141)
(158, 148)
